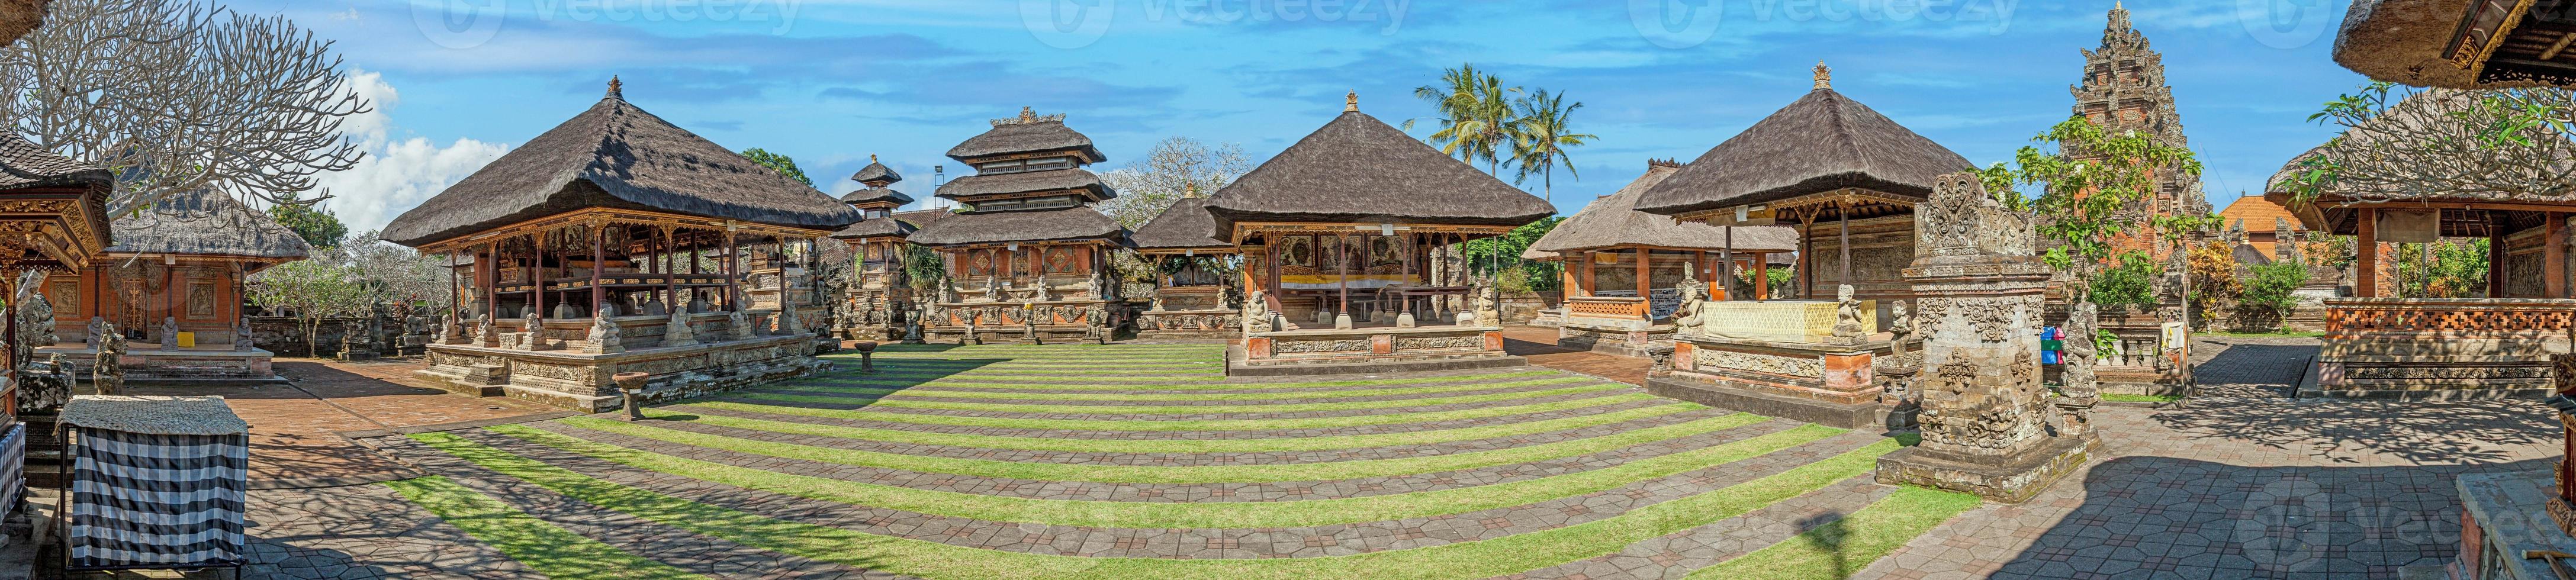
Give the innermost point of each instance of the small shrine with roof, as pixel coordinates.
(1028, 259)
(879, 303)
(590, 246)
(1840, 353)
(172, 284)
(1340, 233)
(1627, 272)
(53, 223)
(1194, 295)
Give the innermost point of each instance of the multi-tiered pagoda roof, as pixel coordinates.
(1029, 186)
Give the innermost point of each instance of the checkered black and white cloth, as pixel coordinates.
(13, 468)
(156, 501)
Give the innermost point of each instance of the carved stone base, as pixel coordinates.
(2011, 479)
(1739, 398)
(2564, 513)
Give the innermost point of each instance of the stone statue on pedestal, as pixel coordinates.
(244, 338)
(1847, 324)
(98, 329)
(604, 335)
(169, 333)
(789, 322)
(1686, 318)
(2079, 390)
(107, 371)
(738, 325)
(535, 337)
(1256, 312)
(678, 332)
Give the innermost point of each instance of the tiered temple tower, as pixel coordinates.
(2124, 89)
(1028, 258)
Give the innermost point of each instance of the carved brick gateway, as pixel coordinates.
(1985, 415)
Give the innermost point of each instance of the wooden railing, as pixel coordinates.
(2461, 315)
(1607, 307)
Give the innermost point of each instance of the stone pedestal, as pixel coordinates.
(1984, 411)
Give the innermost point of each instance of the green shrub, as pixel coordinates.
(2132, 282)
(2272, 291)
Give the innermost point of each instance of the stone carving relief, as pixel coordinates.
(1439, 343)
(1718, 359)
(1320, 346)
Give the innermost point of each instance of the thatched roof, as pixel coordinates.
(1027, 181)
(898, 224)
(18, 17)
(1823, 142)
(1030, 133)
(617, 155)
(156, 415)
(1184, 226)
(23, 164)
(876, 195)
(1356, 169)
(205, 222)
(876, 174)
(1076, 223)
(2409, 42)
(1613, 220)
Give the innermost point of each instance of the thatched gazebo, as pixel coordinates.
(1625, 269)
(586, 241)
(173, 282)
(1824, 159)
(1351, 230)
(1031, 255)
(1192, 295)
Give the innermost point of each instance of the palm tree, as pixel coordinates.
(1476, 115)
(1540, 138)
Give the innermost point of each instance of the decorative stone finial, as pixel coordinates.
(1190, 191)
(1351, 102)
(615, 88)
(1824, 76)
(1028, 114)
(872, 158)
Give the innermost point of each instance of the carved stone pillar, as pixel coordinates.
(2080, 391)
(1984, 411)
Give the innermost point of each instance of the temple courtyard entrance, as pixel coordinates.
(1007, 460)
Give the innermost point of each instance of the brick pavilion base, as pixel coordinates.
(1189, 324)
(2441, 349)
(1370, 350)
(1637, 338)
(145, 363)
(572, 380)
(1831, 385)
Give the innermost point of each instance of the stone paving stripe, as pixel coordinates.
(1207, 515)
(924, 558)
(1181, 446)
(1177, 474)
(1055, 431)
(1838, 549)
(543, 547)
(1190, 409)
(1148, 386)
(931, 391)
(1181, 424)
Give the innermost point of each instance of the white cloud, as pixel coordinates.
(398, 173)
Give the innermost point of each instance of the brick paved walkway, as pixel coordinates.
(294, 428)
(1538, 344)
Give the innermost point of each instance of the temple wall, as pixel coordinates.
(203, 299)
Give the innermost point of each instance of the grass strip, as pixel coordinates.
(1183, 409)
(935, 391)
(1288, 444)
(542, 547)
(1180, 515)
(1842, 547)
(1330, 470)
(1479, 559)
(1185, 425)
(844, 380)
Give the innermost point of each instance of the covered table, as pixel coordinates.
(156, 482)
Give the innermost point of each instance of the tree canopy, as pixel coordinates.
(781, 163)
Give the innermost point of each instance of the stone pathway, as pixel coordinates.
(1538, 344)
(295, 427)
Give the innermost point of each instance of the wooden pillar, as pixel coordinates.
(1708, 275)
(1726, 267)
(1807, 257)
(670, 276)
(1762, 276)
(489, 266)
(1589, 281)
(2553, 266)
(1645, 277)
(733, 271)
(598, 261)
(2366, 253)
(1844, 218)
(537, 276)
(2496, 224)
(1342, 267)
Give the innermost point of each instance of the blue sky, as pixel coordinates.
(832, 81)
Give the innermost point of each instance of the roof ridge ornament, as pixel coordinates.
(1351, 102)
(1824, 76)
(616, 88)
(1030, 116)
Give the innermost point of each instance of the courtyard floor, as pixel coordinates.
(1144, 460)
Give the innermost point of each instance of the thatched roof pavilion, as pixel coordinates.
(1614, 222)
(2460, 44)
(1186, 227)
(1358, 170)
(617, 156)
(1824, 142)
